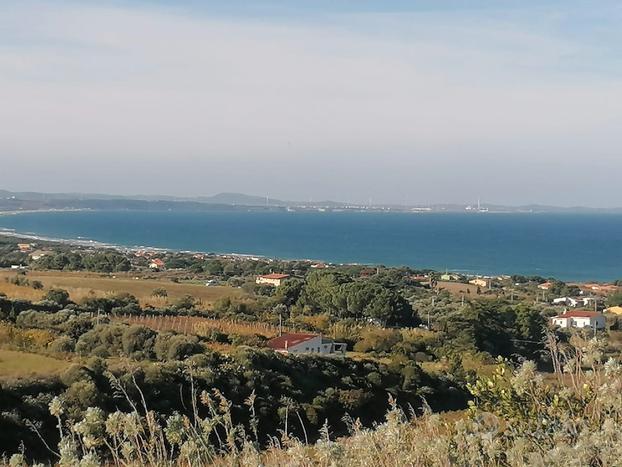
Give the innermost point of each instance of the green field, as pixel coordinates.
(15, 364)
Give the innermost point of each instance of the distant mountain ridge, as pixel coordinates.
(220, 198)
(35, 200)
(28, 200)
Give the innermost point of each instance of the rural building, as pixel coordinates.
(156, 263)
(616, 310)
(306, 343)
(37, 255)
(566, 301)
(483, 282)
(579, 319)
(450, 277)
(545, 286)
(272, 279)
(421, 279)
(24, 247)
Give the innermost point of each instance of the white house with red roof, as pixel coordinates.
(272, 279)
(297, 343)
(156, 263)
(580, 319)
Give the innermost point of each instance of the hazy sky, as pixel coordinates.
(398, 101)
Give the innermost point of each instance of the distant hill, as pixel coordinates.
(240, 199)
(28, 200)
(229, 199)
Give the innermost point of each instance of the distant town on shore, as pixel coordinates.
(32, 201)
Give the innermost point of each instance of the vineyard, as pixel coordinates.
(201, 325)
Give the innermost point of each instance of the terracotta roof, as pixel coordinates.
(278, 343)
(579, 314)
(275, 276)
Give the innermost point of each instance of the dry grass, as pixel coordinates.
(17, 291)
(82, 285)
(16, 364)
(458, 288)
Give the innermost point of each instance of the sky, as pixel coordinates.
(514, 102)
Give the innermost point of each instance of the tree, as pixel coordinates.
(187, 302)
(59, 296)
(289, 292)
(614, 299)
(138, 342)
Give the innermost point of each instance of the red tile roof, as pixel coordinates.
(278, 343)
(579, 314)
(275, 276)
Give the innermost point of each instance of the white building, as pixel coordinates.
(574, 302)
(306, 343)
(579, 319)
(567, 301)
(482, 282)
(156, 264)
(272, 279)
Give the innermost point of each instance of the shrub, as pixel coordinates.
(58, 296)
(62, 344)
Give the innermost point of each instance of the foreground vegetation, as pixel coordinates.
(107, 360)
(515, 419)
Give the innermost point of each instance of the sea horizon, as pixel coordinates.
(570, 247)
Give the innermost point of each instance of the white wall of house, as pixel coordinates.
(580, 322)
(316, 345)
(269, 281)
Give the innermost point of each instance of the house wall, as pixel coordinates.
(311, 346)
(580, 323)
(315, 345)
(264, 280)
(561, 322)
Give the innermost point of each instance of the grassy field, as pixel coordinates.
(81, 285)
(457, 288)
(15, 364)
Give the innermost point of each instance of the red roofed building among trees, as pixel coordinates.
(272, 279)
(580, 319)
(296, 343)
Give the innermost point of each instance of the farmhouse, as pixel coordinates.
(579, 319)
(38, 254)
(156, 263)
(616, 310)
(306, 343)
(24, 247)
(272, 279)
(483, 282)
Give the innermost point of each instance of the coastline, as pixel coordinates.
(465, 265)
(35, 211)
(135, 248)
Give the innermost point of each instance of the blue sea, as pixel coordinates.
(566, 246)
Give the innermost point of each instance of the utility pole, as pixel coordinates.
(280, 324)
(433, 301)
